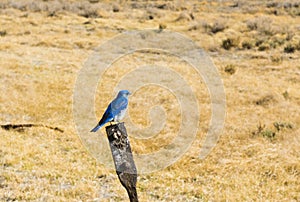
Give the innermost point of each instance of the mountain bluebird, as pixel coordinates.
(115, 111)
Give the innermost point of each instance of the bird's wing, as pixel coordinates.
(107, 116)
(118, 105)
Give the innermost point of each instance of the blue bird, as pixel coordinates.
(115, 111)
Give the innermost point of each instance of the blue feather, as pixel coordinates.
(115, 110)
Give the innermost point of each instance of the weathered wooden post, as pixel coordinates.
(123, 159)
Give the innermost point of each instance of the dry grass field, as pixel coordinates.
(255, 46)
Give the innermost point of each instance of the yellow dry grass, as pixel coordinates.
(42, 51)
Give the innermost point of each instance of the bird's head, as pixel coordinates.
(124, 93)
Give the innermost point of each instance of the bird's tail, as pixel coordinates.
(96, 128)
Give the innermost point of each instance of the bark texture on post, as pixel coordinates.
(123, 159)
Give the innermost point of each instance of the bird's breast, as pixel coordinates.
(120, 115)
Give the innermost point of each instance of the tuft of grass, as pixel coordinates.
(162, 26)
(285, 94)
(264, 47)
(185, 16)
(264, 25)
(289, 48)
(259, 42)
(87, 10)
(282, 125)
(247, 45)
(272, 4)
(265, 100)
(116, 8)
(230, 69)
(276, 58)
(217, 26)
(3, 33)
(279, 41)
(271, 134)
(229, 43)
(262, 131)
